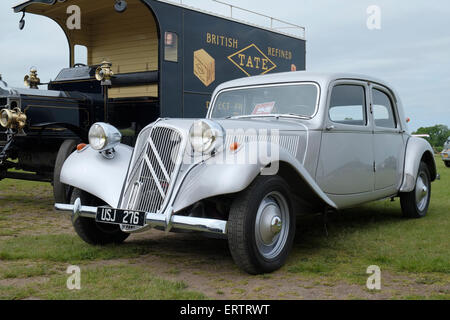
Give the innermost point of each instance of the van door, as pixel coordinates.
(346, 153)
(388, 140)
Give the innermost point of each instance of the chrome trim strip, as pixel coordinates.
(158, 158)
(152, 219)
(85, 211)
(146, 142)
(155, 177)
(178, 163)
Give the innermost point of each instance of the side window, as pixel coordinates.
(348, 105)
(171, 47)
(383, 112)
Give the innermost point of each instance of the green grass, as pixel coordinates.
(377, 234)
(35, 252)
(27, 270)
(48, 256)
(34, 265)
(65, 248)
(105, 283)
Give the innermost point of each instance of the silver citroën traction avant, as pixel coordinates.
(323, 142)
(445, 154)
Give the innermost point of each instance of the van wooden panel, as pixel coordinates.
(135, 91)
(129, 40)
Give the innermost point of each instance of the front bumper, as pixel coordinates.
(167, 220)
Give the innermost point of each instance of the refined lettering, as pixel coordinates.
(279, 53)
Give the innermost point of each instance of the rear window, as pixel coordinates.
(383, 111)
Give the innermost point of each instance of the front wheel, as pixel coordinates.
(261, 225)
(415, 203)
(447, 164)
(91, 231)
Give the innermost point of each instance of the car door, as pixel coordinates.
(346, 152)
(388, 139)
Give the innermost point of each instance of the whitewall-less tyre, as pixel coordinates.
(415, 203)
(261, 226)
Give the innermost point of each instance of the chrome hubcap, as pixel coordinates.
(422, 191)
(272, 225)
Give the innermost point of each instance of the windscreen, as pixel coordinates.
(296, 99)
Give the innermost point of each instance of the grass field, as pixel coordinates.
(37, 245)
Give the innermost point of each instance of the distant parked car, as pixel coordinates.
(446, 153)
(333, 141)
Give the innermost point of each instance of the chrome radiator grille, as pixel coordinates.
(154, 169)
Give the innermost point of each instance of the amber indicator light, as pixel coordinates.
(81, 146)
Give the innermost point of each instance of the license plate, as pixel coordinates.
(119, 216)
(445, 155)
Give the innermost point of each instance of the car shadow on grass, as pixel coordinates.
(313, 229)
(311, 239)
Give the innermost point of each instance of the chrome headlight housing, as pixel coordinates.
(206, 136)
(103, 136)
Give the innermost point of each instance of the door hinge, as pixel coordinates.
(374, 167)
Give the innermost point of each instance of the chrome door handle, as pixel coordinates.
(329, 128)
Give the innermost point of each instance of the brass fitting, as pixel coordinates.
(104, 73)
(13, 119)
(32, 81)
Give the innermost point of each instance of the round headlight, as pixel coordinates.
(97, 137)
(103, 136)
(5, 118)
(206, 136)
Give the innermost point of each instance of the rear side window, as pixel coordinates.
(383, 111)
(348, 105)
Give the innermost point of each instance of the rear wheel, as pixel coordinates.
(261, 225)
(415, 203)
(61, 192)
(91, 231)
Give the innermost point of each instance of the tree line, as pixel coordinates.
(438, 135)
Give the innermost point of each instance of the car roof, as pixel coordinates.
(298, 76)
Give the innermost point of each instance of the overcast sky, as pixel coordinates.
(411, 51)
